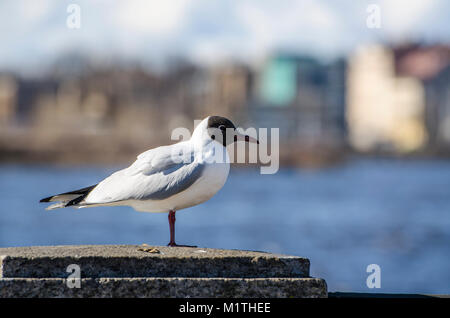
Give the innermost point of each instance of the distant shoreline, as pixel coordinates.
(313, 159)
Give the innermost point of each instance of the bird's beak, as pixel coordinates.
(241, 137)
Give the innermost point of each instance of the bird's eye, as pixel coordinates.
(213, 137)
(222, 127)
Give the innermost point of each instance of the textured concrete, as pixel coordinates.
(154, 271)
(165, 287)
(131, 261)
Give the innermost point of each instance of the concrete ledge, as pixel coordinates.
(111, 261)
(158, 271)
(165, 287)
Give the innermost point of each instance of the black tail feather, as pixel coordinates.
(82, 192)
(46, 199)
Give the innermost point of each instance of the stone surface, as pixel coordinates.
(165, 287)
(154, 271)
(111, 261)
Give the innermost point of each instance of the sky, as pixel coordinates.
(35, 33)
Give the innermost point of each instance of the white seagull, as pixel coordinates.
(166, 178)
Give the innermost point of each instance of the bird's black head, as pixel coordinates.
(217, 129)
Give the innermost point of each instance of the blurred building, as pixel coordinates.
(438, 115)
(113, 111)
(431, 65)
(8, 98)
(228, 90)
(302, 97)
(388, 99)
(385, 110)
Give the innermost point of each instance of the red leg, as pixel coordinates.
(172, 230)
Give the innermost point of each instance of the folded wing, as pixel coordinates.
(156, 175)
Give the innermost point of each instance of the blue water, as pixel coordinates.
(392, 213)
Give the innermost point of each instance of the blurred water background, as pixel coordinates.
(387, 212)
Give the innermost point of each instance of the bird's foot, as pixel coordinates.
(173, 244)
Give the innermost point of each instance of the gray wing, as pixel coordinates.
(156, 175)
